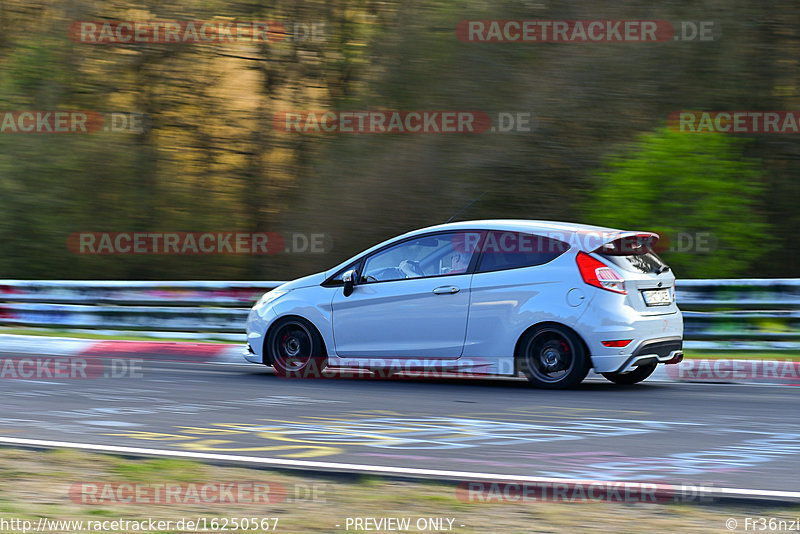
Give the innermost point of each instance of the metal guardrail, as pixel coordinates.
(195, 293)
(721, 311)
(741, 310)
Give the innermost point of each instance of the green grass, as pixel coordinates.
(143, 471)
(742, 355)
(41, 482)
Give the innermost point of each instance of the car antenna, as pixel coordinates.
(467, 206)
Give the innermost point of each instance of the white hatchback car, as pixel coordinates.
(499, 297)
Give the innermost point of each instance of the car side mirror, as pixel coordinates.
(349, 279)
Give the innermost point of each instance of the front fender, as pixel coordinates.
(314, 305)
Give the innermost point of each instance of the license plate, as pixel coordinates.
(657, 297)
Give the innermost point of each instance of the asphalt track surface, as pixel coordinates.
(713, 435)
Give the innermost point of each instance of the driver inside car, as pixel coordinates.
(410, 269)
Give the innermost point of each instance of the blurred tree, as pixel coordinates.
(213, 161)
(687, 187)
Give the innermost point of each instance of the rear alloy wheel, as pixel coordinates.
(637, 375)
(295, 349)
(553, 357)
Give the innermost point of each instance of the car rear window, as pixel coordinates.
(638, 263)
(513, 250)
(634, 253)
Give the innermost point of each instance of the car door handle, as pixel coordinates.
(446, 290)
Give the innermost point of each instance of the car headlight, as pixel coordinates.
(271, 296)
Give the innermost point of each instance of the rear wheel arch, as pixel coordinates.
(527, 340)
(542, 324)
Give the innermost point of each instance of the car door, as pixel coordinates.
(411, 301)
(515, 285)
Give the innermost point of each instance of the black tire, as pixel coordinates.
(552, 357)
(633, 377)
(295, 349)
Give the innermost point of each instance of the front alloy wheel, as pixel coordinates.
(295, 349)
(553, 357)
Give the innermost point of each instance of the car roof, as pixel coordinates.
(526, 225)
(565, 231)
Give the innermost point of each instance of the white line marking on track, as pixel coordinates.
(389, 470)
(108, 423)
(42, 382)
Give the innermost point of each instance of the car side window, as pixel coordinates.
(511, 250)
(433, 255)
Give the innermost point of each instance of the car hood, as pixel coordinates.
(306, 281)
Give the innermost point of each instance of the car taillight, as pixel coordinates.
(598, 274)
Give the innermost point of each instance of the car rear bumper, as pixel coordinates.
(665, 350)
(654, 339)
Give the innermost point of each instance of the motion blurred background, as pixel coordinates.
(599, 150)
